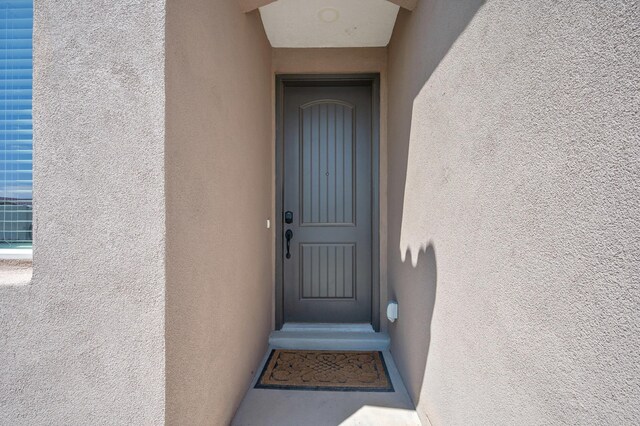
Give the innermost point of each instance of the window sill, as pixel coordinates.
(19, 253)
(15, 271)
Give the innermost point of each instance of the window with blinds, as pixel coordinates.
(16, 141)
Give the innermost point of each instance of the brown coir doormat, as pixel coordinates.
(325, 370)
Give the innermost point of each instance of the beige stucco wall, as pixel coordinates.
(218, 164)
(343, 61)
(513, 189)
(83, 342)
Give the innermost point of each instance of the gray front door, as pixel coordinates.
(327, 182)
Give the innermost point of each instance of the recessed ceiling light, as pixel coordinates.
(328, 14)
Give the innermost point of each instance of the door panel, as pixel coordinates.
(327, 176)
(327, 163)
(327, 271)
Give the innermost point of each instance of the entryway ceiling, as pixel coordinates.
(330, 23)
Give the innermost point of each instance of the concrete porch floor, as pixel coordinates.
(267, 407)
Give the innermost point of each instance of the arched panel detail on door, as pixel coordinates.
(327, 163)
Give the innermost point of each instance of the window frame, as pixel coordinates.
(23, 253)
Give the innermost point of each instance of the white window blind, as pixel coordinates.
(16, 140)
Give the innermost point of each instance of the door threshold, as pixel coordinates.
(336, 337)
(328, 327)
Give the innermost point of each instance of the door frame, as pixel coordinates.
(372, 80)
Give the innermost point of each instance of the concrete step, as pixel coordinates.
(318, 327)
(318, 337)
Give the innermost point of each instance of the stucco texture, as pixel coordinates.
(219, 174)
(514, 210)
(83, 342)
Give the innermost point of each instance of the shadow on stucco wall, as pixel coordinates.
(415, 51)
(509, 148)
(421, 41)
(412, 331)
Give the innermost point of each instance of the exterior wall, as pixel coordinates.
(219, 284)
(343, 61)
(83, 342)
(513, 210)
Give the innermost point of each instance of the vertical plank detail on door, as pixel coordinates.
(327, 271)
(326, 164)
(348, 160)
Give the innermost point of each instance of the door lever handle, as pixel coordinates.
(288, 235)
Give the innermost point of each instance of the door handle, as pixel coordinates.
(288, 235)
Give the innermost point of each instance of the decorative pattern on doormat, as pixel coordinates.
(325, 370)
